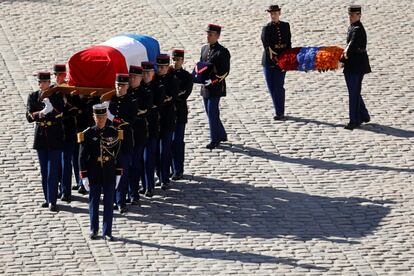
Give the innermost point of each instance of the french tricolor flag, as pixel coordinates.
(97, 66)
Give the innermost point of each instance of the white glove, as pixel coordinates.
(207, 82)
(118, 179)
(85, 183)
(48, 106)
(110, 115)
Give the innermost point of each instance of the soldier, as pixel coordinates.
(122, 112)
(70, 154)
(85, 120)
(276, 38)
(48, 140)
(143, 103)
(100, 168)
(215, 87)
(154, 97)
(356, 65)
(185, 87)
(166, 82)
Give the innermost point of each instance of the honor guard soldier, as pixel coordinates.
(122, 112)
(70, 154)
(356, 65)
(276, 38)
(100, 168)
(185, 86)
(153, 100)
(48, 140)
(215, 87)
(143, 103)
(85, 120)
(166, 82)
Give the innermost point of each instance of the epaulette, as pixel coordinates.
(81, 135)
(120, 134)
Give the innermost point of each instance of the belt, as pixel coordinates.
(280, 46)
(46, 124)
(359, 50)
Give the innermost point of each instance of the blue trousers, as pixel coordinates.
(275, 80)
(178, 149)
(108, 200)
(217, 131)
(121, 191)
(69, 161)
(164, 157)
(137, 171)
(49, 168)
(357, 109)
(150, 155)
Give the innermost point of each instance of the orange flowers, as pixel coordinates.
(310, 58)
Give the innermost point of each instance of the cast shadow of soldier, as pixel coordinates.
(372, 127)
(241, 210)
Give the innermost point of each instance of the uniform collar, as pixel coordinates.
(213, 45)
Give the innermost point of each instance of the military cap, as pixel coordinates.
(135, 70)
(59, 68)
(43, 76)
(354, 8)
(163, 59)
(273, 8)
(122, 78)
(213, 28)
(99, 109)
(147, 66)
(178, 53)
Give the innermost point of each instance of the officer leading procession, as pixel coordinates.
(123, 135)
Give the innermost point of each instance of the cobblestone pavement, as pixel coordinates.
(298, 197)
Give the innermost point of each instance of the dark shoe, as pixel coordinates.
(66, 199)
(165, 186)
(53, 207)
(366, 120)
(279, 117)
(177, 176)
(128, 200)
(212, 145)
(74, 188)
(149, 193)
(44, 205)
(116, 207)
(123, 210)
(351, 126)
(223, 139)
(93, 236)
(82, 190)
(108, 238)
(142, 191)
(135, 202)
(59, 195)
(158, 183)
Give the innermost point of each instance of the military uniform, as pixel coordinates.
(356, 65)
(215, 87)
(169, 85)
(276, 38)
(124, 111)
(154, 97)
(99, 167)
(185, 86)
(142, 99)
(48, 140)
(70, 152)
